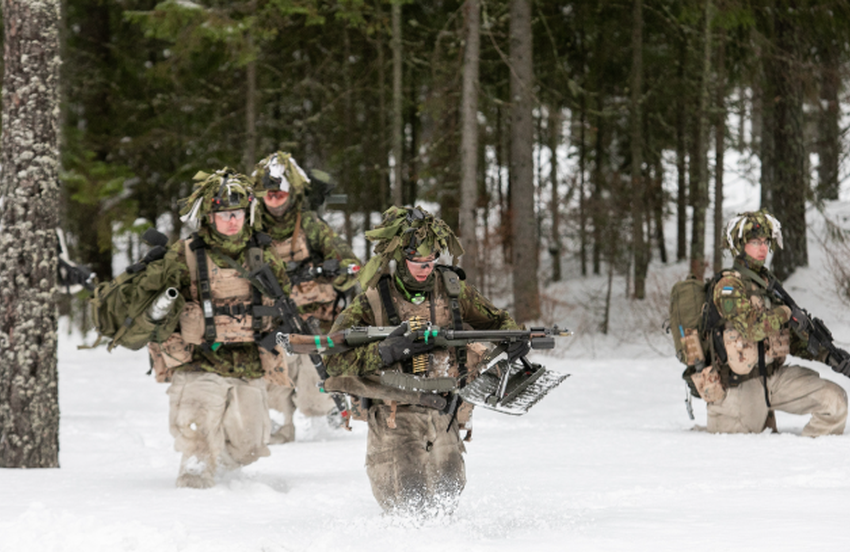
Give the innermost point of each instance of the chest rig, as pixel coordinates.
(441, 307)
(742, 359)
(233, 310)
(296, 252)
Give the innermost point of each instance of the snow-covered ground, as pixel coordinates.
(608, 461)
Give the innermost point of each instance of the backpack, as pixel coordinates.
(119, 307)
(696, 324)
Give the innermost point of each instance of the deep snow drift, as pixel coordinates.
(606, 462)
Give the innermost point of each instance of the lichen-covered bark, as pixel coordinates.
(29, 192)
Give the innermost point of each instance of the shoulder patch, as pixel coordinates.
(727, 290)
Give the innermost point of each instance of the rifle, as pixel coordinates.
(819, 335)
(291, 323)
(340, 342)
(302, 272)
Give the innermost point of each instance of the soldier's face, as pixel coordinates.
(421, 267)
(757, 248)
(276, 198)
(229, 223)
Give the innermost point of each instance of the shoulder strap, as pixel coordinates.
(375, 304)
(204, 289)
(387, 301)
(451, 283)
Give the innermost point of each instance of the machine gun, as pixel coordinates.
(505, 385)
(819, 335)
(291, 324)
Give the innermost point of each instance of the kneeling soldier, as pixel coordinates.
(752, 338)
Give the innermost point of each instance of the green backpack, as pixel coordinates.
(687, 305)
(119, 308)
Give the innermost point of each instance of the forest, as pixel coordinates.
(564, 132)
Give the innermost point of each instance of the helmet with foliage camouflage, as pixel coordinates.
(405, 233)
(223, 190)
(751, 225)
(280, 172)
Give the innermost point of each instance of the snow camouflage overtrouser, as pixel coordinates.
(304, 395)
(792, 389)
(416, 467)
(217, 423)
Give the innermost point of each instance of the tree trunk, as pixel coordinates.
(789, 150)
(681, 153)
(525, 288)
(638, 191)
(719, 147)
(29, 400)
(469, 142)
(555, 121)
(398, 115)
(829, 144)
(250, 152)
(701, 149)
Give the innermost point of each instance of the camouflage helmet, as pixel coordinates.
(751, 225)
(280, 172)
(405, 233)
(223, 190)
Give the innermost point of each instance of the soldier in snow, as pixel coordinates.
(322, 270)
(414, 453)
(219, 413)
(752, 337)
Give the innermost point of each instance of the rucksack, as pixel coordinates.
(694, 320)
(119, 307)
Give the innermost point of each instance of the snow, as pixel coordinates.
(608, 461)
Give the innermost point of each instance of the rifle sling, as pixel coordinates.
(386, 300)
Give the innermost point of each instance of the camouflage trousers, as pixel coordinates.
(416, 467)
(218, 424)
(305, 396)
(792, 389)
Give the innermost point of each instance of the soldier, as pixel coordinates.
(322, 268)
(218, 404)
(414, 453)
(754, 381)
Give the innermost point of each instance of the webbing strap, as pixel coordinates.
(387, 301)
(204, 289)
(763, 372)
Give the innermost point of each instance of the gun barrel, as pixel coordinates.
(162, 304)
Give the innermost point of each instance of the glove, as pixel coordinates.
(400, 348)
(517, 349)
(839, 364)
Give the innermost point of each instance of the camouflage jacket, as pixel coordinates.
(238, 360)
(742, 300)
(476, 310)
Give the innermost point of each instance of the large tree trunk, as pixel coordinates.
(719, 146)
(700, 199)
(398, 115)
(789, 150)
(526, 295)
(638, 191)
(29, 400)
(249, 155)
(469, 142)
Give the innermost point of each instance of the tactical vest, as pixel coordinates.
(232, 299)
(224, 299)
(441, 307)
(296, 248)
(741, 354)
